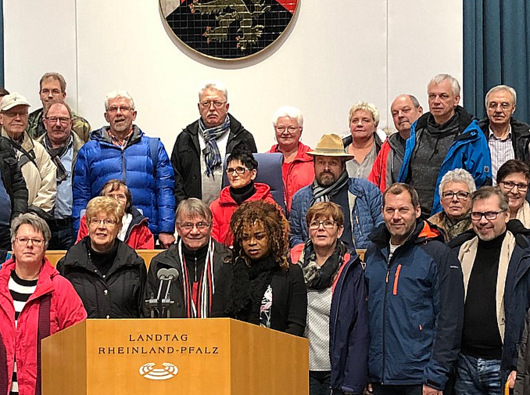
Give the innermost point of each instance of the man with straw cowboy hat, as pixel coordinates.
(359, 199)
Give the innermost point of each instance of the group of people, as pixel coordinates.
(437, 304)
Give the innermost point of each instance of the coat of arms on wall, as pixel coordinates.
(228, 29)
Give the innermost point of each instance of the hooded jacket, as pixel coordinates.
(66, 310)
(300, 172)
(416, 307)
(223, 207)
(151, 184)
(186, 157)
(468, 151)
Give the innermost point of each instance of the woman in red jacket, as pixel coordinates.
(134, 231)
(35, 302)
(297, 168)
(241, 171)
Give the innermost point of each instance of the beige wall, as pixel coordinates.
(334, 54)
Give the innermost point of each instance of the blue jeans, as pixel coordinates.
(478, 376)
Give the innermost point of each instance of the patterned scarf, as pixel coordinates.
(206, 285)
(321, 277)
(324, 194)
(55, 155)
(212, 156)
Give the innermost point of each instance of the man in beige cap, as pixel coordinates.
(37, 167)
(360, 199)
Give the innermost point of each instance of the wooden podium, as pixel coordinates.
(173, 356)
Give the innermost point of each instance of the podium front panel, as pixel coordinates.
(161, 356)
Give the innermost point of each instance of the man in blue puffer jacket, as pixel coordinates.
(415, 300)
(122, 151)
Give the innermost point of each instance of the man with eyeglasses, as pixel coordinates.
(359, 199)
(456, 188)
(197, 258)
(495, 258)
(200, 148)
(508, 138)
(122, 151)
(62, 144)
(36, 165)
(445, 138)
(52, 89)
(415, 300)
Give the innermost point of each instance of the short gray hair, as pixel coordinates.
(288, 111)
(497, 88)
(193, 207)
(47, 108)
(119, 93)
(458, 175)
(455, 86)
(215, 85)
(35, 222)
(362, 105)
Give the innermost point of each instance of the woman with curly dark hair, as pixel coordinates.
(259, 285)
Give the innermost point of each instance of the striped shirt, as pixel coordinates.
(20, 291)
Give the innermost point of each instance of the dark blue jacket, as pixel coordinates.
(151, 187)
(469, 151)
(516, 292)
(415, 307)
(348, 329)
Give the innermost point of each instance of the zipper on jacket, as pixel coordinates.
(123, 166)
(396, 279)
(384, 318)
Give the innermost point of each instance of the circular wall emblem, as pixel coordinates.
(150, 372)
(228, 29)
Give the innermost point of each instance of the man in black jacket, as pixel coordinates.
(507, 137)
(200, 148)
(197, 258)
(13, 191)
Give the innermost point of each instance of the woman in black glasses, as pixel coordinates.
(107, 274)
(455, 191)
(337, 312)
(513, 177)
(241, 171)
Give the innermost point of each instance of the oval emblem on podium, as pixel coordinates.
(228, 29)
(150, 372)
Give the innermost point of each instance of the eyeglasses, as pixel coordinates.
(238, 170)
(27, 240)
(189, 225)
(99, 222)
(290, 129)
(460, 195)
(216, 104)
(328, 224)
(115, 109)
(509, 185)
(504, 105)
(489, 215)
(13, 114)
(62, 120)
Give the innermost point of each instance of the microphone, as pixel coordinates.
(157, 306)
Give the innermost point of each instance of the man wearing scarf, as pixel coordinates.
(359, 199)
(199, 150)
(196, 256)
(62, 144)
